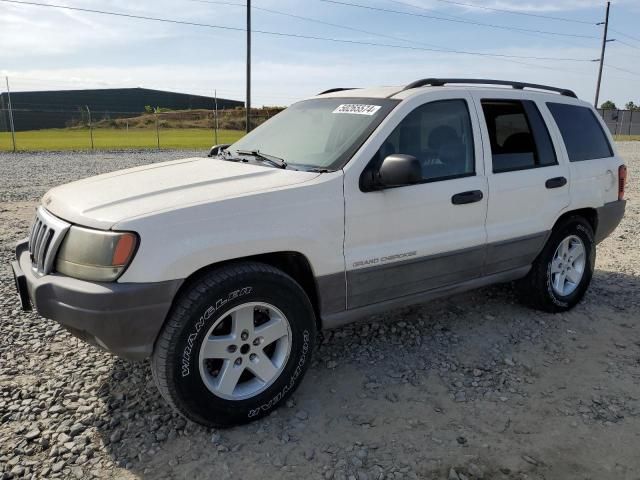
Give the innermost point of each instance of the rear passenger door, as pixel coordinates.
(592, 161)
(528, 182)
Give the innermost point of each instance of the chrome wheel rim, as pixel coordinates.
(568, 265)
(245, 351)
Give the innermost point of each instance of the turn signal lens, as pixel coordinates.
(124, 250)
(622, 181)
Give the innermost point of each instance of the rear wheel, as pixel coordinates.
(561, 274)
(235, 345)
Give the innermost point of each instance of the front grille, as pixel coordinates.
(45, 239)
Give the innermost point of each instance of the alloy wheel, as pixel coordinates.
(245, 351)
(568, 265)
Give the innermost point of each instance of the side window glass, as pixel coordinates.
(546, 154)
(519, 137)
(582, 133)
(440, 136)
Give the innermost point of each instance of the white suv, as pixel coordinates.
(348, 203)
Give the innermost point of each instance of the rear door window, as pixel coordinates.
(581, 131)
(518, 135)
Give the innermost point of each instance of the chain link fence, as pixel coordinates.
(622, 122)
(81, 128)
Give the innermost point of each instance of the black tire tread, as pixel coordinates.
(178, 315)
(530, 289)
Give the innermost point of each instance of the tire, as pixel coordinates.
(232, 308)
(541, 288)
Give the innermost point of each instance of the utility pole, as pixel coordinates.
(90, 125)
(604, 47)
(248, 100)
(13, 130)
(155, 112)
(215, 125)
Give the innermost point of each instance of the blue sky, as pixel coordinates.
(55, 49)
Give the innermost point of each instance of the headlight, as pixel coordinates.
(95, 255)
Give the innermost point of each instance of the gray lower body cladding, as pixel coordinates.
(384, 282)
(123, 318)
(379, 288)
(609, 217)
(406, 279)
(338, 319)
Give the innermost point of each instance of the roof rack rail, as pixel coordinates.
(339, 89)
(439, 82)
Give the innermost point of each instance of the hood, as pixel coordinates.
(104, 200)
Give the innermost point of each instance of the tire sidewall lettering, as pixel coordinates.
(191, 344)
(265, 407)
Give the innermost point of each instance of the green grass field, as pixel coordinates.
(113, 139)
(627, 138)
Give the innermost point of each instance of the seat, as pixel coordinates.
(521, 142)
(517, 153)
(441, 135)
(453, 156)
(449, 149)
(410, 140)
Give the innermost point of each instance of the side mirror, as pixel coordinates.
(216, 149)
(399, 170)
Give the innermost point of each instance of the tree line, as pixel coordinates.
(609, 105)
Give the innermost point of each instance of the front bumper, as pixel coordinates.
(123, 318)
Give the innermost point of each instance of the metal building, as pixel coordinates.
(63, 108)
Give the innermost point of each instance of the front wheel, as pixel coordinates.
(236, 344)
(561, 274)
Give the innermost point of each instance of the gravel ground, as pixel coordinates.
(470, 387)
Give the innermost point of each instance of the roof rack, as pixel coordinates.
(339, 89)
(439, 82)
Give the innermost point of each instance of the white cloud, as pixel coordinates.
(28, 30)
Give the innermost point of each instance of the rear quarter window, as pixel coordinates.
(582, 133)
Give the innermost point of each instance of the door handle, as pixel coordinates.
(463, 198)
(556, 182)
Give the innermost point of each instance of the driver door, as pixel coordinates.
(411, 239)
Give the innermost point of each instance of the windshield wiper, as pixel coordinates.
(265, 157)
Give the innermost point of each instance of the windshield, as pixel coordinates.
(319, 133)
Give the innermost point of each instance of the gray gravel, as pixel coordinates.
(27, 176)
(470, 387)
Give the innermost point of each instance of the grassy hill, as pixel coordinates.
(227, 119)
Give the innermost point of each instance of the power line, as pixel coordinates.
(337, 25)
(627, 44)
(626, 35)
(468, 22)
(541, 35)
(353, 29)
(627, 55)
(515, 12)
(321, 22)
(621, 69)
(291, 35)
